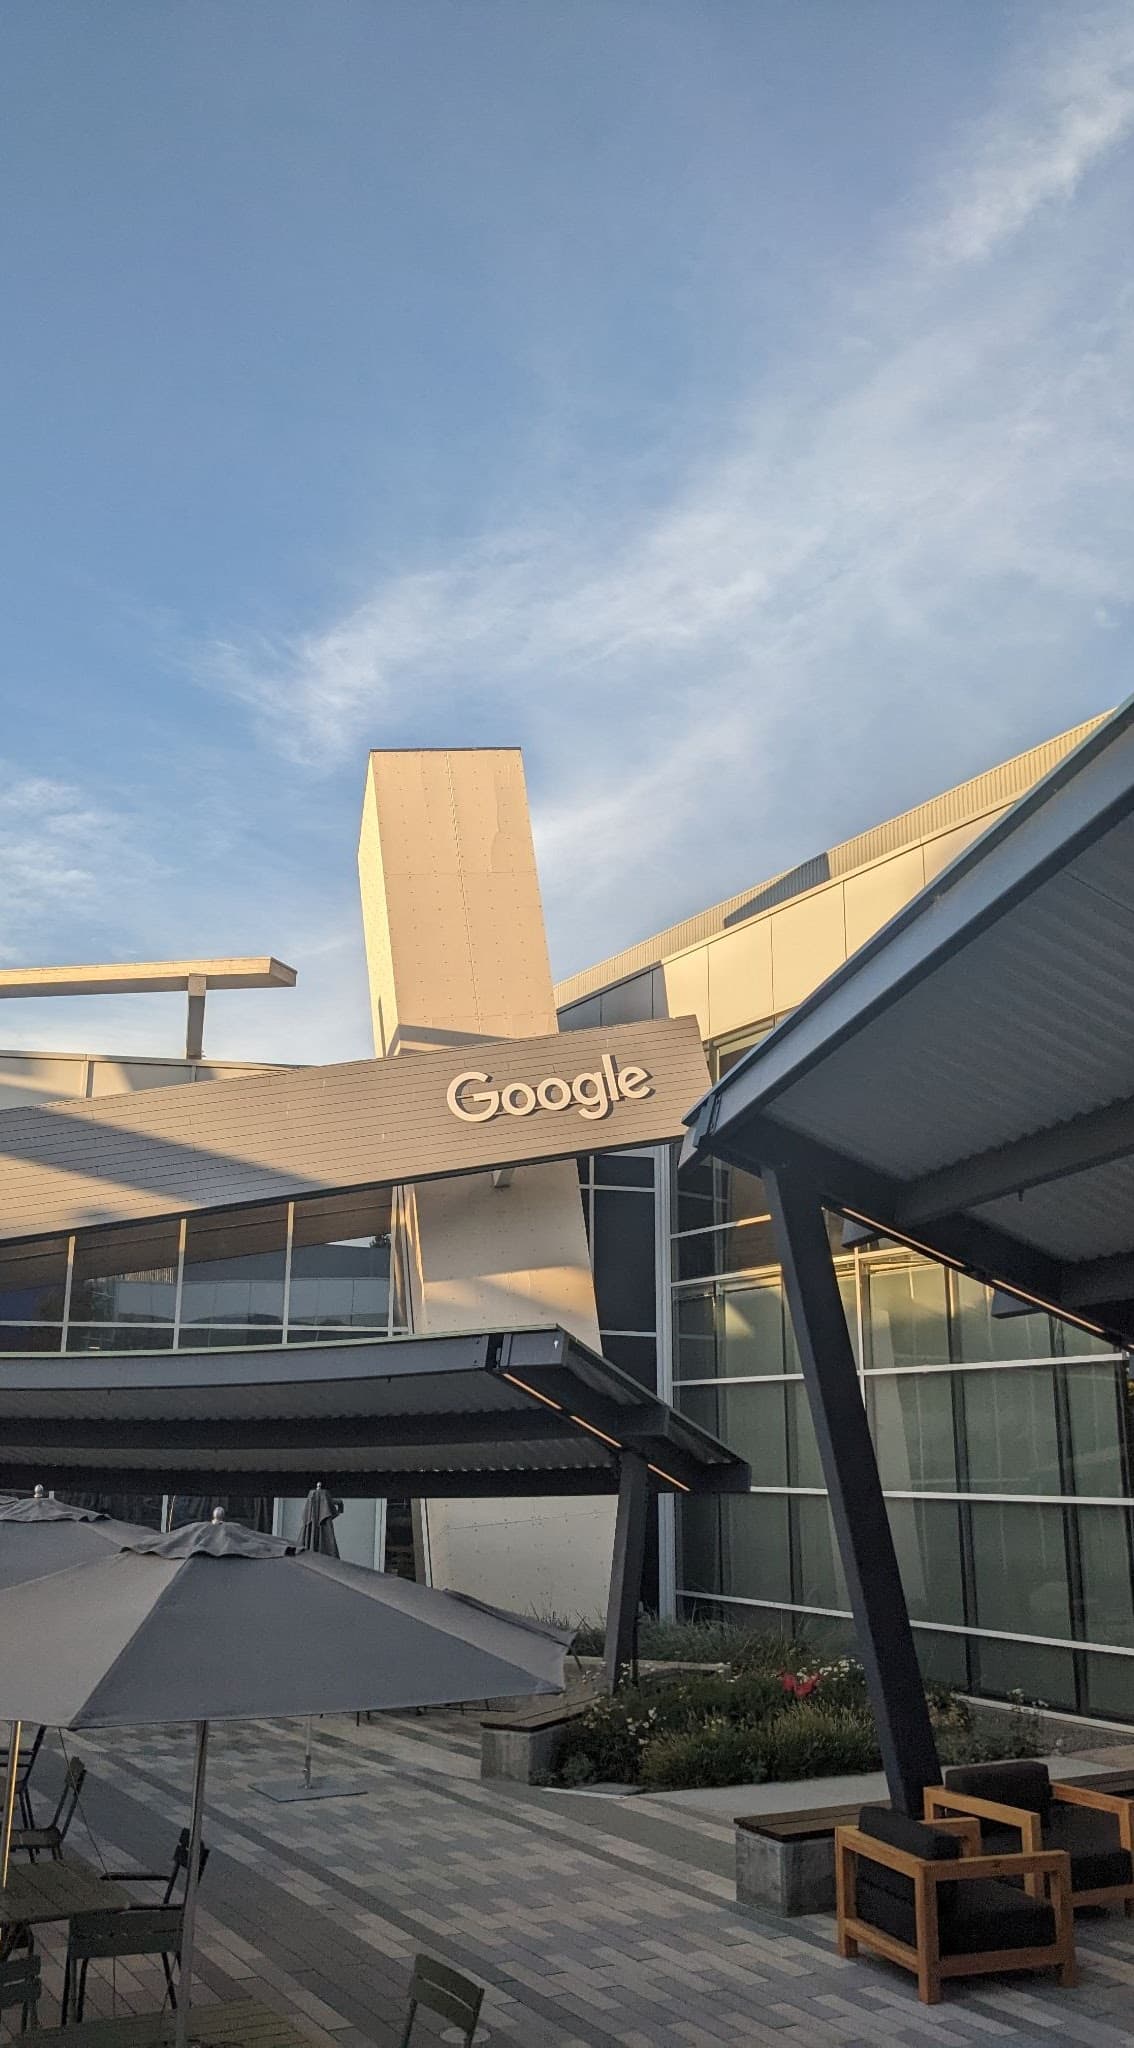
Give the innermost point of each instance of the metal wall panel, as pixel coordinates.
(168, 1151)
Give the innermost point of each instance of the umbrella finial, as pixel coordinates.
(37, 1493)
(218, 1514)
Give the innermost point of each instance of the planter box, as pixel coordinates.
(520, 1755)
(785, 1863)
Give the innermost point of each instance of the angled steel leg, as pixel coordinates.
(854, 1488)
(626, 1568)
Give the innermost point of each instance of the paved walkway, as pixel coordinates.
(592, 1922)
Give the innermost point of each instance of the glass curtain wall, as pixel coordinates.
(290, 1272)
(1003, 1444)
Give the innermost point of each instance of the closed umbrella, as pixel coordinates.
(214, 1622)
(316, 1532)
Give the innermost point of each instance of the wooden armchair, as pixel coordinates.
(922, 1898)
(1018, 1806)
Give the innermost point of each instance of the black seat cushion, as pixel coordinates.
(979, 1914)
(1094, 1845)
(974, 1915)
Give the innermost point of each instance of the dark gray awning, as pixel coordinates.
(512, 1412)
(966, 1081)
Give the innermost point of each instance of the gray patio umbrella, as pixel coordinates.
(317, 1530)
(38, 1535)
(214, 1622)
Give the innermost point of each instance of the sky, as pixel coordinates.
(730, 403)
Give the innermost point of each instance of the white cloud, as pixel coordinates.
(61, 855)
(943, 502)
(1079, 105)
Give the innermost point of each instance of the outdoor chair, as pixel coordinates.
(24, 1769)
(918, 1896)
(1019, 1808)
(20, 1976)
(50, 1839)
(445, 1992)
(139, 1930)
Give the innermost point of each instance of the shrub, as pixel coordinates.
(805, 1742)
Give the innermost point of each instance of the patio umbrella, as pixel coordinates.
(214, 1622)
(38, 1535)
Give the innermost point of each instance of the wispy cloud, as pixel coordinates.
(930, 501)
(62, 856)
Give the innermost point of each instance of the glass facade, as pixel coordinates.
(1003, 1443)
(289, 1272)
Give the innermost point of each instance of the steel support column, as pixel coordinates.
(626, 1567)
(862, 1526)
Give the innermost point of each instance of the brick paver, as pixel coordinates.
(591, 1922)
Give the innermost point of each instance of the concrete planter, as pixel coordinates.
(785, 1874)
(521, 1755)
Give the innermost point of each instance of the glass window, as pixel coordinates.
(944, 1659)
(1095, 1394)
(752, 1330)
(739, 1194)
(1108, 1585)
(340, 1263)
(804, 1467)
(755, 1555)
(1110, 1686)
(31, 1336)
(1020, 1569)
(980, 1335)
(623, 1255)
(927, 1539)
(906, 1313)
(1044, 1676)
(234, 1275)
(695, 1337)
(32, 1282)
(750, 1420)
(624, 1169)
(122, 1337)
(699, 1543)
(820, 1572)
(1011, 1433)
(911, 1419)
(123, 1277)
(696, 1201)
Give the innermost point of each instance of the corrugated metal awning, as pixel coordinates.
(966, 1081)
(489, 1414)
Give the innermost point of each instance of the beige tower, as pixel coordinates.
(456, 951)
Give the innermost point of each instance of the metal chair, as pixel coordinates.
(24, 1769)
(140, 1930)
(20, 1976)
(50, 1839)
(445, 1992)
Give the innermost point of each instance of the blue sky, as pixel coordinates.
(730, 403)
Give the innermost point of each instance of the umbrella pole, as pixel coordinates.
(189, 1916)
(10, 1800)
(307, 1756)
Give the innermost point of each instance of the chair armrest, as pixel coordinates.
(134, 1876)
(1029, 1827)
(1086, 1795)
(1025, 1863)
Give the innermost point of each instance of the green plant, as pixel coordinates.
(714, 1754)
(804, 1742)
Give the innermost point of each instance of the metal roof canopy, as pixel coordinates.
(484, 1415)
(965, 1083)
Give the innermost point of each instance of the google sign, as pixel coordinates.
(593, 1094)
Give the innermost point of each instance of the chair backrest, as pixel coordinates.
(69, 1797)
(444, 1991)
(28, 1756)
(180, 1865)
(1023, 1783)
(143, 1931)
(885, 1897)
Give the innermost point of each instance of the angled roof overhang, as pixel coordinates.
(966, 1082)
(523, 1412)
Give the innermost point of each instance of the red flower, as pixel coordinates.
(799, 1688)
